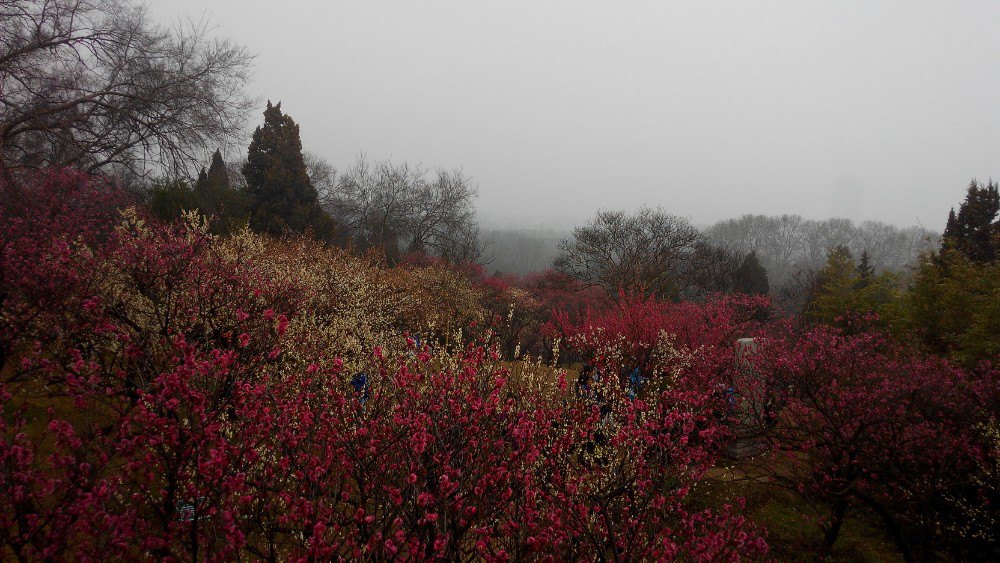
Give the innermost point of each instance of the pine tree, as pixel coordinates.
(201, 184)
(843, 290)
(217, 199)
(751, 277)
(207, 201)
(833, 282)
(973, 231)
(951, 228)
(865, 271)
(282, 197)
(218, 175)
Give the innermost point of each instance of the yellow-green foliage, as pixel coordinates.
(953, 306)
(842, 289)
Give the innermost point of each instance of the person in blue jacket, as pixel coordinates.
(360, 384)
(636, 381)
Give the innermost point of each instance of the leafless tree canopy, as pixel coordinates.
(397, 208)
(788, 244)
(323, 176)
(94, 84)
(648, 251)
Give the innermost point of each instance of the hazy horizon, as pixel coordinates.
(870, 111)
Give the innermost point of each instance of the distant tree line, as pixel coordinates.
(653, 252)
(788, 244)
(789, 249)
(522, 251)
(648, 252)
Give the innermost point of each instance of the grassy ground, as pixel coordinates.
(792, 534)
(792, 538)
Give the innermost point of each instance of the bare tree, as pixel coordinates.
(823, 235)
(743, 235)
(893, 249)
(396, 208)
(234, 170)
(797, 291)
(462, 242)
(323, 176)
(94, 84)
(710, 270)
(784, 251)
(372, 203)
(443, 219)
(649, 251)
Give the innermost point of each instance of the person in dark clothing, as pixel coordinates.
(583, 387)
(636, 381)
(360, 384)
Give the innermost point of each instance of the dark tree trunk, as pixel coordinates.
(832, 532)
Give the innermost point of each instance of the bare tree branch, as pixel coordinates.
(396, 208)
(94, 84)
(650, 252)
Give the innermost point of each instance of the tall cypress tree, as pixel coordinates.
(231, 202)
(217, 199)
(951, 228)
(218, 175)
(865, 271)
(751, 277)
(282, 197)
(202, 183)
(974, 230)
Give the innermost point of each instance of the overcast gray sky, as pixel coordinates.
(881, 110)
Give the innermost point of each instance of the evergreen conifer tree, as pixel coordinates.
(201, 184)
(974, 230)
(751, 277)
(217, 199)
(218, 176)
(207, 200)
(844, 289)
(281, 195)
(951, 227)
(865, 271)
